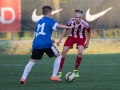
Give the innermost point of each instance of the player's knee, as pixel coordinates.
(63, 54)
(33, 60)
(79, 54)
(58, 55)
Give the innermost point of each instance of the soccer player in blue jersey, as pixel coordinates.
(42, 43)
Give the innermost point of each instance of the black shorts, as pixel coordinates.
(38, 53)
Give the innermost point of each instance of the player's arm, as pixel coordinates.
(88, 38)
(63, 34)
(64, 26)
(55, 25)
(61, 37)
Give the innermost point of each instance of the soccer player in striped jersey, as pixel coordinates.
(42, 43)
(76, 36)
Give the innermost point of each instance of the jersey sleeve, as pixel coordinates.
(89, 29)
(53, 24)
(86, 25)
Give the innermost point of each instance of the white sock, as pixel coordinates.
(27, 69)
(56, 65)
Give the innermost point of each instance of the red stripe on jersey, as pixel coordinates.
(78, 30)
(73, 30)
(83, 33)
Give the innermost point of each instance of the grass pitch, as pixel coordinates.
(97, 72)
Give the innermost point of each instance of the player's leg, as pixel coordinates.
(56, 68)
(54, 52)
(80, 44)
(27, 70)
(67, 45)
(36, 54)
(78, 59)
(64, 52)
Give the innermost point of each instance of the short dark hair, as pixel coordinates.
(78, 10)
(46, 9)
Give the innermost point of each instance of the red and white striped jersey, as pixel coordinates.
(79, 29)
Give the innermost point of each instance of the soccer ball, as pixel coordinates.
(70, 77)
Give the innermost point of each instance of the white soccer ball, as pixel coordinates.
(70, 77)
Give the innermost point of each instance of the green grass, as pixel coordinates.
(97, 72)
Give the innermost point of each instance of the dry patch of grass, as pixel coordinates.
(98, 47)
(101, 46)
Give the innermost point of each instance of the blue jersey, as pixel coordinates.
(43, 33)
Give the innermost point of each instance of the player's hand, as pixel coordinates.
(58, 43)
(53, 41)
(86, 45)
